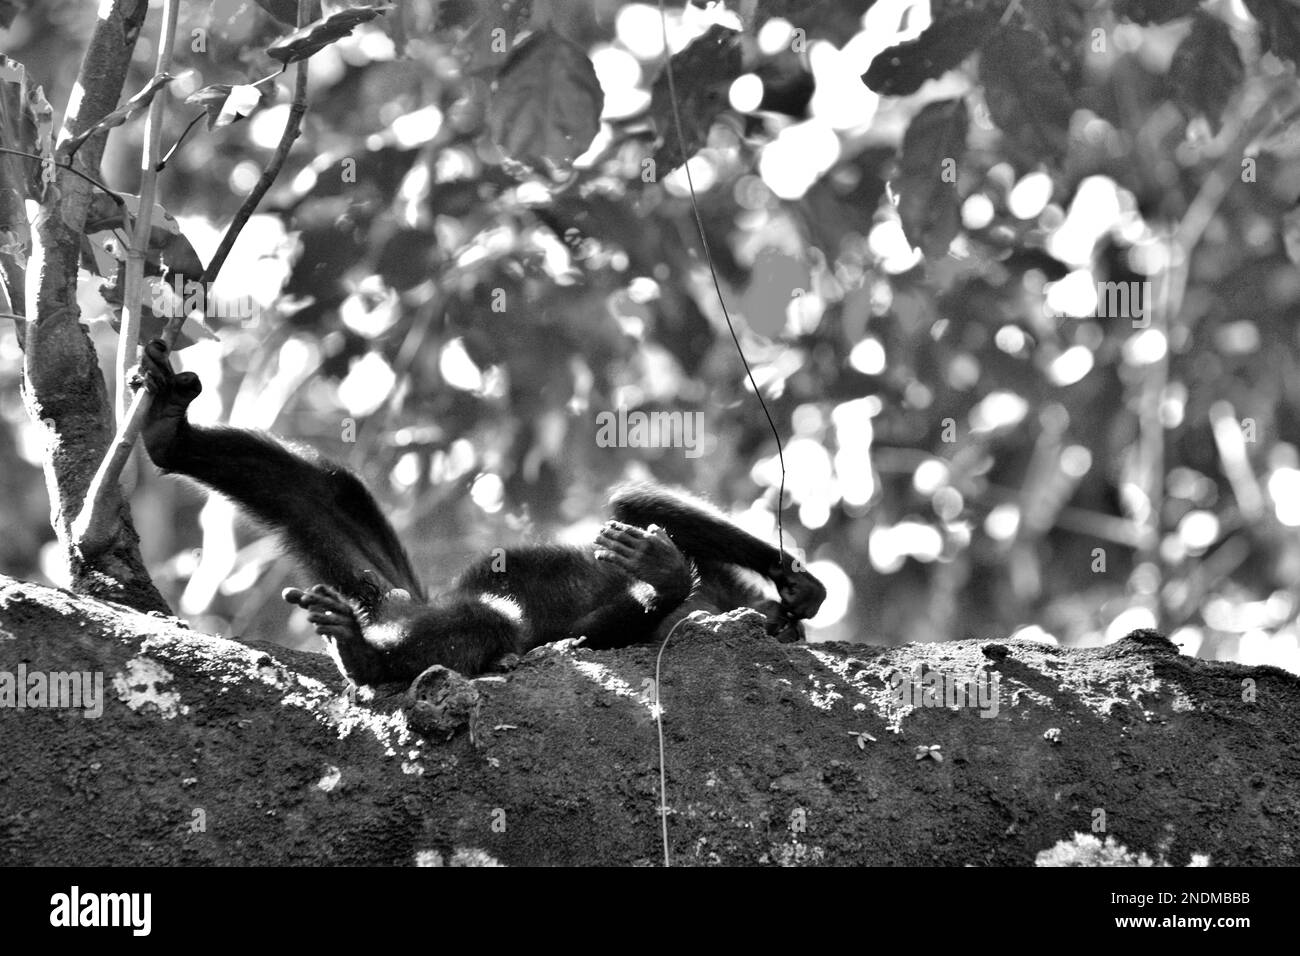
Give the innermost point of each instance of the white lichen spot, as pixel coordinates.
(472, 856)
(412, 769)
(462, 856)
(795, 853)
(333, 777)
(271, 674)
(611, 682)
(1084, 849)
(823, 698)
(344, 716)
(141, 685)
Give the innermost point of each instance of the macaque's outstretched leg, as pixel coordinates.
(321, 510)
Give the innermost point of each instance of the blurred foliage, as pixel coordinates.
(1016, 281)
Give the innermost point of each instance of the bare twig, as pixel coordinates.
(116, 196)
(269, 174)
(179, 140)
(128, 339)
(92, 525)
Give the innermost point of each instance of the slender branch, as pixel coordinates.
(116, 196)
(1252, 121)
(128, 339)
(269, 174)
(92, 525)
(177, 145)
(269, 77)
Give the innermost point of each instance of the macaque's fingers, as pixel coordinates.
(622, 547)
(613, 548)
(340, 633)
(155, 369)
(321, 597)
(330, 618)
(298, 596)
(625, 539)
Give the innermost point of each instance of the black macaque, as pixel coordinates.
(661, 556)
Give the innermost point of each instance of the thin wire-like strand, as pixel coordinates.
(717, 286)
(780, 455)
(659, 722)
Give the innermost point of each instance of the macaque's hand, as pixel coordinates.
(801, 593)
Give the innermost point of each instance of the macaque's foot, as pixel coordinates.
(801, 593)
(156, 375)
(330, 612)
(172, 396)
(648, 555)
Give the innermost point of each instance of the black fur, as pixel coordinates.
(662, 555)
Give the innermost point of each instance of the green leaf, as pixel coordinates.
(1155, 11)
(484, 29)
(1027, 96)
(132, 107)
(1062, 21)
(545, 110)
(1206, 70)
(902, 69)
(703, 74)
(226, 104)
(929, 204)
(26, 124)
(315, 36)
(109, 226)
